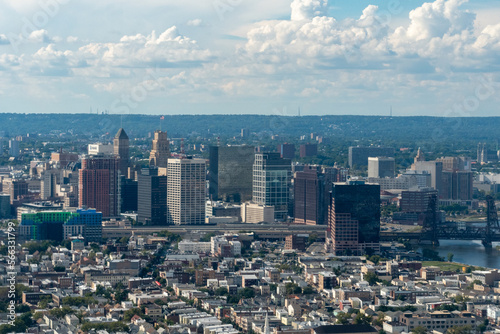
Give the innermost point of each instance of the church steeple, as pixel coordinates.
(267, 330)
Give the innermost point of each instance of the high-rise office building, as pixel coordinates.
(358, 156)
(308, 150)
(286, 150)
(186, 191)
(14, 148)
(416, 200)
(381, 167)
(230, 173)
(312, 188)
(354, 218)
(434, 168)
(271, 182)
(99, 186)
(161, 150)
(129, 194)
(152, 199)
(121, 149)
(457, 185)
(5, 206)
(48, 183)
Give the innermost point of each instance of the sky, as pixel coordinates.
(322, 57)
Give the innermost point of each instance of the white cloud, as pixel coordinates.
(307, 9)
(39, 36)
(195, 22)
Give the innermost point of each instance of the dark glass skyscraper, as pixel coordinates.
(230, 173)
(354, 218)
(152, 197)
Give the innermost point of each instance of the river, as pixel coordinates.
(470, 252)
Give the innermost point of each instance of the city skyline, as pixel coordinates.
(232, 57)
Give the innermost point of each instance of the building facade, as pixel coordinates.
(354, 218)
(271, 183)
(62, 225)
(152, 197)
(186, 191)
(160, 152)
(99, 184)
(358, 156)
(121, 149)
(230, 173)
(381, 167)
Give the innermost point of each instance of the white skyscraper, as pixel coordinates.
(186, 191)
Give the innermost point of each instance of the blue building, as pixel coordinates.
(61, 225)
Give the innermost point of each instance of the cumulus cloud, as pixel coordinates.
(39, 36)
(307, 9)
(169, 49)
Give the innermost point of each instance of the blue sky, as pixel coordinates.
(437, 58)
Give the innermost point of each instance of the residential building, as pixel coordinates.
(99, 185)
(286, 151)
(308, 150)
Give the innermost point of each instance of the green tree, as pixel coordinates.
(343, 318)
(467, 329)
(419, 330)
(362, 319)
(371, 278)
(450, 257)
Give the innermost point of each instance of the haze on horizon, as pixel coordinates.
(334, 57)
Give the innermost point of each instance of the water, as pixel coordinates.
(470, 252)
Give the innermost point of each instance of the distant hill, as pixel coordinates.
(381, 128)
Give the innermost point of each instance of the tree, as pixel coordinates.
(362, 319)
(467, 329)
(308, 290)
(59, 269)
(371, 278)
(419, 330)
(343, 318)
(450, 257)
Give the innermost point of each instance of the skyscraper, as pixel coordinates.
(286, 150)
(186, 191)
(358, 156)
(13, 148)
(161, 150)
(121, 149)
(312, 189)
(152, 197)
(271, 182)
(230, 173)
(354, 218)
(308, 150)
(98, 185)
(381, 167)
